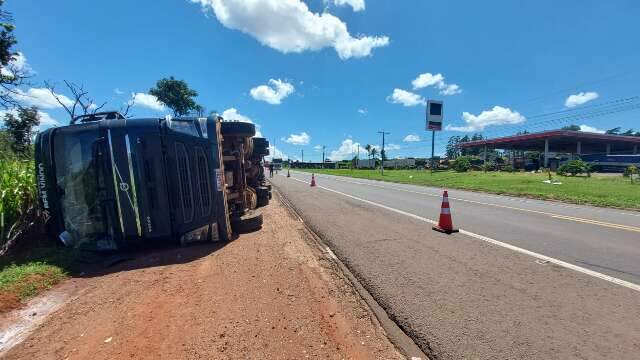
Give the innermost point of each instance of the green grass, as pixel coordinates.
(28, 279)
(606, 191)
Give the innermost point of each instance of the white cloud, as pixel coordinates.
(356, 5)
(233, 115)
(42, 98)
(147, 100)
(317, 147)
(411, 138)
(347, 150)
(496, 116)
(587, 128)
(405, 98)
(18, 64)
(437, 80)
(298, 139)
(580, 98)
(392, 147)
(290, 27)
(277, 153)
(272, 93)
(363, 111)
(118, 91)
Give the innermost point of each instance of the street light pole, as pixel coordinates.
(382, 152)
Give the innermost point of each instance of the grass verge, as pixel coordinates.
(25, 276)
(605, 191)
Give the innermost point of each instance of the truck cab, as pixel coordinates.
(108, 183)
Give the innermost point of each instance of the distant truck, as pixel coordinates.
(108, 183)
(277, 164)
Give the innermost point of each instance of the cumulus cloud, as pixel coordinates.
(298, 139)
(275, 152)
(290, 27)
(392, 147)
(232, 114)
(347, 150)
(405, 98)
(18, 65)
(496, 116)
(147, 100)
(428, 79)
(363, 111)
(587, 128)
(411, 138)
(272, 93)
(580, 98)
(317, 147)
(356, 5)
(42, 98)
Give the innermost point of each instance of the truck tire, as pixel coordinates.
(264, 201)
(260, 142)
(249, 222)
(233, 128)
(263, 196)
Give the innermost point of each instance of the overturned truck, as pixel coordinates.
(108, 183)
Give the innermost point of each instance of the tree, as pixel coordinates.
(20, 128)
(374, 152)
(176, 94)
(11, 76)
(79, 103)
(571, 127)
(383, 155)
(368, 148)
(614, 131)
(453, 147)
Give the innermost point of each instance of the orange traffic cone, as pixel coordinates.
(288, 173)
(445, 224)
(313, 180)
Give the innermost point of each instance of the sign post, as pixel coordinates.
(434, 123)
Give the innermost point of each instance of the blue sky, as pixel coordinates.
(326, 71)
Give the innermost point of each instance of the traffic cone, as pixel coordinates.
(288, 173)
(313, 180)
(445, 224)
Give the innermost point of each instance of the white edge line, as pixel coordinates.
(564, 264)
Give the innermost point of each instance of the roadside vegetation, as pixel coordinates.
(605, 190)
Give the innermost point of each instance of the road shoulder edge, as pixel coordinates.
(395, 334)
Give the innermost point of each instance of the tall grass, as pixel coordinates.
(17, 191)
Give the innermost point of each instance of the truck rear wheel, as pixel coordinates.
(248, 222)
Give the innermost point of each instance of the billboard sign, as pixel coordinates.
(434, 115)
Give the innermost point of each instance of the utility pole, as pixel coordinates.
(382, 152)
(302, 151)
(323, 147)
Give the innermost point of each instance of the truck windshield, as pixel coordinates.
(80, 183)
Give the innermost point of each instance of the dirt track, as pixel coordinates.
(269, 294)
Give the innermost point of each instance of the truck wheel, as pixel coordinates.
(263, 201)
(249, 222)
(242, 129)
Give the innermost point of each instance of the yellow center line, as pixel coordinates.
(555, 216)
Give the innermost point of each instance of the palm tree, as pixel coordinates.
(368, 149)
(374, 152)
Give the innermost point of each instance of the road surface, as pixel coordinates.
(524, 279)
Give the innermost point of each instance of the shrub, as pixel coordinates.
(630, 170)
(462, 164)
(574, 167)
(508, 168)
(17, 192)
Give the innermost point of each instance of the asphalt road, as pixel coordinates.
(483, 293)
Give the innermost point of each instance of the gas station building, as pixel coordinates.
(575, 143)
